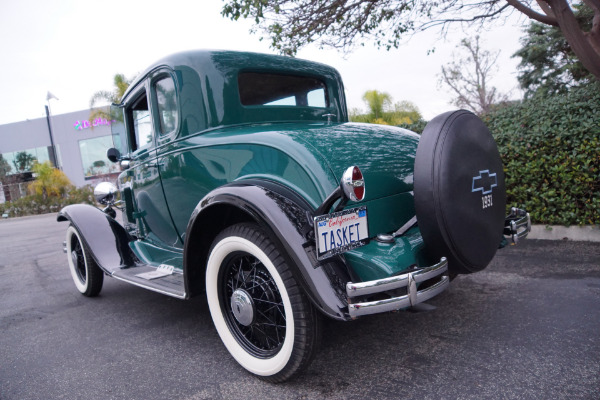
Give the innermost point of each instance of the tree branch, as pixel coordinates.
(594, 33)
(544, 19)
(431, 24)
(546, 8)
(583, 45)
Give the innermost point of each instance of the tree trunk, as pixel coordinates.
(580, 42)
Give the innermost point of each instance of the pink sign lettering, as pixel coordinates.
(85, 124)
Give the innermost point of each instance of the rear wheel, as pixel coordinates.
(86, 274)
(259, 311)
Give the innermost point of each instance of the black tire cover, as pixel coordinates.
(460, 197)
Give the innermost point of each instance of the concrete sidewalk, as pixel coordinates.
(588, 233)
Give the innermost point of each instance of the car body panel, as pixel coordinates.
(300, 156)
(223, 160)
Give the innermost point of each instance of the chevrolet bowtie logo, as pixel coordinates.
(485, 182)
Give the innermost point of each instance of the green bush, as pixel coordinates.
(551, 153)
(416, 126)
(36, 204)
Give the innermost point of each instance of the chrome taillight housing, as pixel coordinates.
(353, 184)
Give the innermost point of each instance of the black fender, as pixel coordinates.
(106, 239)
(287, 218)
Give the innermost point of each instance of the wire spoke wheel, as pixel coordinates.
(262, 316)
(259, 324)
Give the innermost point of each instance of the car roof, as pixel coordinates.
(209, 78)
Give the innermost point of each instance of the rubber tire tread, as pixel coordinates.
(307, 321)
(94, 275)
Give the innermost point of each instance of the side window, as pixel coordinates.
(139, 115)
(166, 102)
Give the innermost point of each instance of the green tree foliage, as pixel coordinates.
(291, 24)
(49, 181)
(381, 110)
(377, 102)
(121, 84)
(468, 76)
(5, 168)
(551, 152)
(23, 161)
(548, 64)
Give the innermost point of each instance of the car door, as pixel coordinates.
(150, 211)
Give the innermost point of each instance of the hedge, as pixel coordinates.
(551, 153)
(36, 204)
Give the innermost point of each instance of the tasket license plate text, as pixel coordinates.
(341, 231)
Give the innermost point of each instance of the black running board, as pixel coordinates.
(171, 285)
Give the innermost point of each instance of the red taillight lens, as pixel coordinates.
(353, 184)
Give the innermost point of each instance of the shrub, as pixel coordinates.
(550, 147)
(49, 181)
(416, 126)
(37, 204)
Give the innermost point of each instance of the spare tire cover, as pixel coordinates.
(460, 197)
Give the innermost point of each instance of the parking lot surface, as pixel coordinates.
(527, 327)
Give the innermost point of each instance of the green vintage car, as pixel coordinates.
(243, 180)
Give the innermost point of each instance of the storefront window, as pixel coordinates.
(22, 161)
(93, 156)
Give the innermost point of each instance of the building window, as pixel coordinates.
(22, 161)
(93, 156)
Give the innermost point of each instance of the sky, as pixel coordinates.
(74, 48)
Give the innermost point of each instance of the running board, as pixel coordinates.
(167, 282)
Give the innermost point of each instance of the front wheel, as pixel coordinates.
(261, 314)
(86, 274)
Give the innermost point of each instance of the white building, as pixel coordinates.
(80, 145)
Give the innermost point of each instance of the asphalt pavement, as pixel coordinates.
(527, 327)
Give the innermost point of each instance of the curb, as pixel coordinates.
(588, 233)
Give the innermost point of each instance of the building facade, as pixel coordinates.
(80, 146)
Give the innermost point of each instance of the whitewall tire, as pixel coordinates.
(261, 314)
(86, 274)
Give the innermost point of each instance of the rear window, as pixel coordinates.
(262, 89)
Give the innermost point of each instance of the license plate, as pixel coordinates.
(341, 231)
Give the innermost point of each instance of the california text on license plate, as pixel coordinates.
(341, 231)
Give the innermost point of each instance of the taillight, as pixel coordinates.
(353, 184)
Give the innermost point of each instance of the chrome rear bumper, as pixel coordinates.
(408, 280)
(517, 225)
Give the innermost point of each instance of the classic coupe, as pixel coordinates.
(242, 180)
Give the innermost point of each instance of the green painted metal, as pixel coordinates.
(218, 141)
(380, 260)
(156, 255)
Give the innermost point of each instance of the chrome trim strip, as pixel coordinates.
(177, 296)
(381, 285)
(379, 306)
(408, 280)
(434, 290)
(404, 228)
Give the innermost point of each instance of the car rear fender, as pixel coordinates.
(286, 217)
(106, 239)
